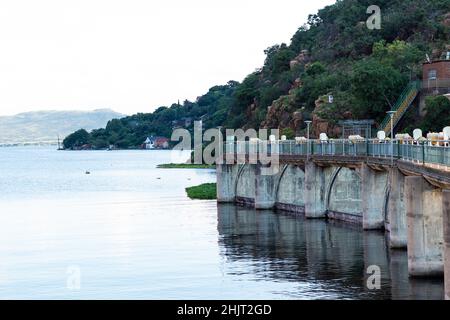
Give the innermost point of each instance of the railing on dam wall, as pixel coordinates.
(427, 152)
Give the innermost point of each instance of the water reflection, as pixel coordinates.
(327, 259)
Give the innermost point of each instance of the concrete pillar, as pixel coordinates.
(315, 206)
(373, 194)
(265, 187)
(397, 210)
(226, 183)
(425, 228)
(446, 214)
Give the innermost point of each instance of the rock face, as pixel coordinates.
(251, 113)
(302, 59)
(440, 53)
(322, 125)
(436, 54)
(282, 114)
(297, 121)
(285, 114)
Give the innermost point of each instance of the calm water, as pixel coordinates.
(128, 231)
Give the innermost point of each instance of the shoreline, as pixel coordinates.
(185, 166)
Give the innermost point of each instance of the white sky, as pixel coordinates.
(130, 55)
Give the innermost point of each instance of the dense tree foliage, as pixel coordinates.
(76, 139)
(438, 114)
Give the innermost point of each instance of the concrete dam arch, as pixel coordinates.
(344, 200)
(339, 189)
(358, 195)
(245, 185)
(290, 190)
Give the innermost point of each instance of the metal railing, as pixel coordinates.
(401, 106)
(426, 152)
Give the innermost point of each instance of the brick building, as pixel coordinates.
(436, 75)
(435, 79)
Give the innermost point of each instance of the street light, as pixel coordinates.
(391, 114)
(308, 123)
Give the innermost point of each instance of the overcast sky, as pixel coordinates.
(133, 56)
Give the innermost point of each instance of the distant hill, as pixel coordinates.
(45, 126)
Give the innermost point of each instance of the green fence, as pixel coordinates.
(423, 152)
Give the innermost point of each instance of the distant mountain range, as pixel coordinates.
(44, 127)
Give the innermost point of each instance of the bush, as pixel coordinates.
(437, 114)
(207, 191)
(289, 133)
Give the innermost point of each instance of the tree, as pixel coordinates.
(437, 114)
(278, 60)
(76, 139)
(115, 125)
(399, 54)
(245, 94)
(375, 87)
(289, 133)
(315, 69)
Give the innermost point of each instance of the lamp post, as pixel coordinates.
(308, 124)
(391, 114)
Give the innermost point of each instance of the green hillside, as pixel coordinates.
(334, 53)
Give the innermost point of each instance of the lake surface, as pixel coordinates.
(128, 231)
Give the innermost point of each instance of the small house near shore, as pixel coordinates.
(152, 143)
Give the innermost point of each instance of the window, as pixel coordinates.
(432, 75)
